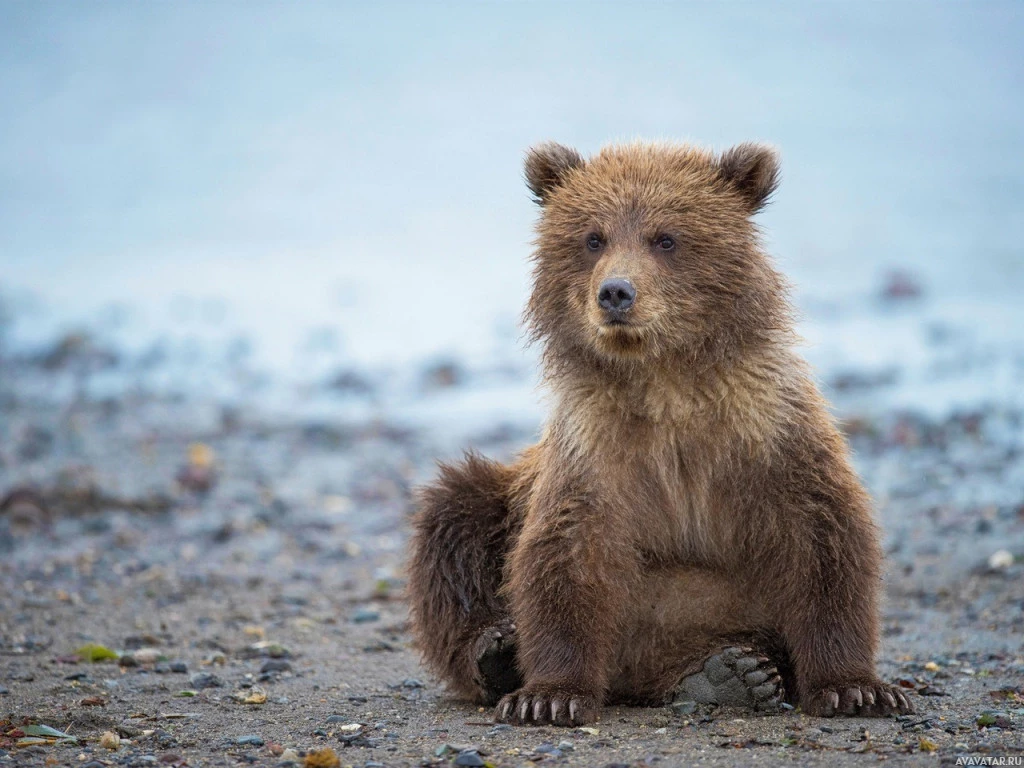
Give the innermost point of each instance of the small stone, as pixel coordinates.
(566, 745)
(352, 728)
(201, 680)
(110, 740)
(3, 691)
(147, 655)
(411, 682)
(469, 757)
(1001, 560)
(931, 666)
(252, 740)
(179, 668)
(364, 615)
(684, 707)
(276, 665)
(594, 731)
(289, 756)
(545, 748)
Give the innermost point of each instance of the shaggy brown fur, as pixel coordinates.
(690, 489)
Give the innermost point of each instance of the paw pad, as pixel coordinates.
(734, 677)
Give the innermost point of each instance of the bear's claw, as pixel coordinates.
(546, 707)
(872, 699)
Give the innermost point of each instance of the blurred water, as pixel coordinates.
(325, 184)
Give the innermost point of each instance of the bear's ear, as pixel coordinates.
(753, 170)
(546, 167)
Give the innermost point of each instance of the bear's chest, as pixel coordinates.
(660, 481)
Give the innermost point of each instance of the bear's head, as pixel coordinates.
(647, 252)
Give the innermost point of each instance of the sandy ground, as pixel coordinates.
(264, 613)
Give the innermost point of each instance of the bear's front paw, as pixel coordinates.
(872, 699)
(544, 706)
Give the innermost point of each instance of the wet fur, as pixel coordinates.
(690, 488)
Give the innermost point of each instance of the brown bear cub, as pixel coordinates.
(689, 525)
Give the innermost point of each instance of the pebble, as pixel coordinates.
(289, 756)
(179, 668)
(276, 665)
(684, 707)
(1000, 560)
(470, 758)
(251, 740)
(202, 680)
(147, 655)
(364, 615)
(4, 691)
(110, 740)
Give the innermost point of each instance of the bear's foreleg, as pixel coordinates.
(569, 578)
(828, 603)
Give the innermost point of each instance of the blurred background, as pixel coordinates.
(224, 366)
(261, 196)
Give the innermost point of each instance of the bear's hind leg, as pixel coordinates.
(461, 535)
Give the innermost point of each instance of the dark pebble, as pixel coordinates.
(276, 665)
(251, 741)
(684, 707)
(337, 719)
(202, 680)
(357, 740)
(179, 668)
(411, 682)
(469, 758)
(364, 615)
(3, 691)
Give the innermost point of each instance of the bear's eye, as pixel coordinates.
(594, 241)
(665, 243)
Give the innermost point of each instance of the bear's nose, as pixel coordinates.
(616, 295)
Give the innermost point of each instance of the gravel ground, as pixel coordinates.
(246, 569)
